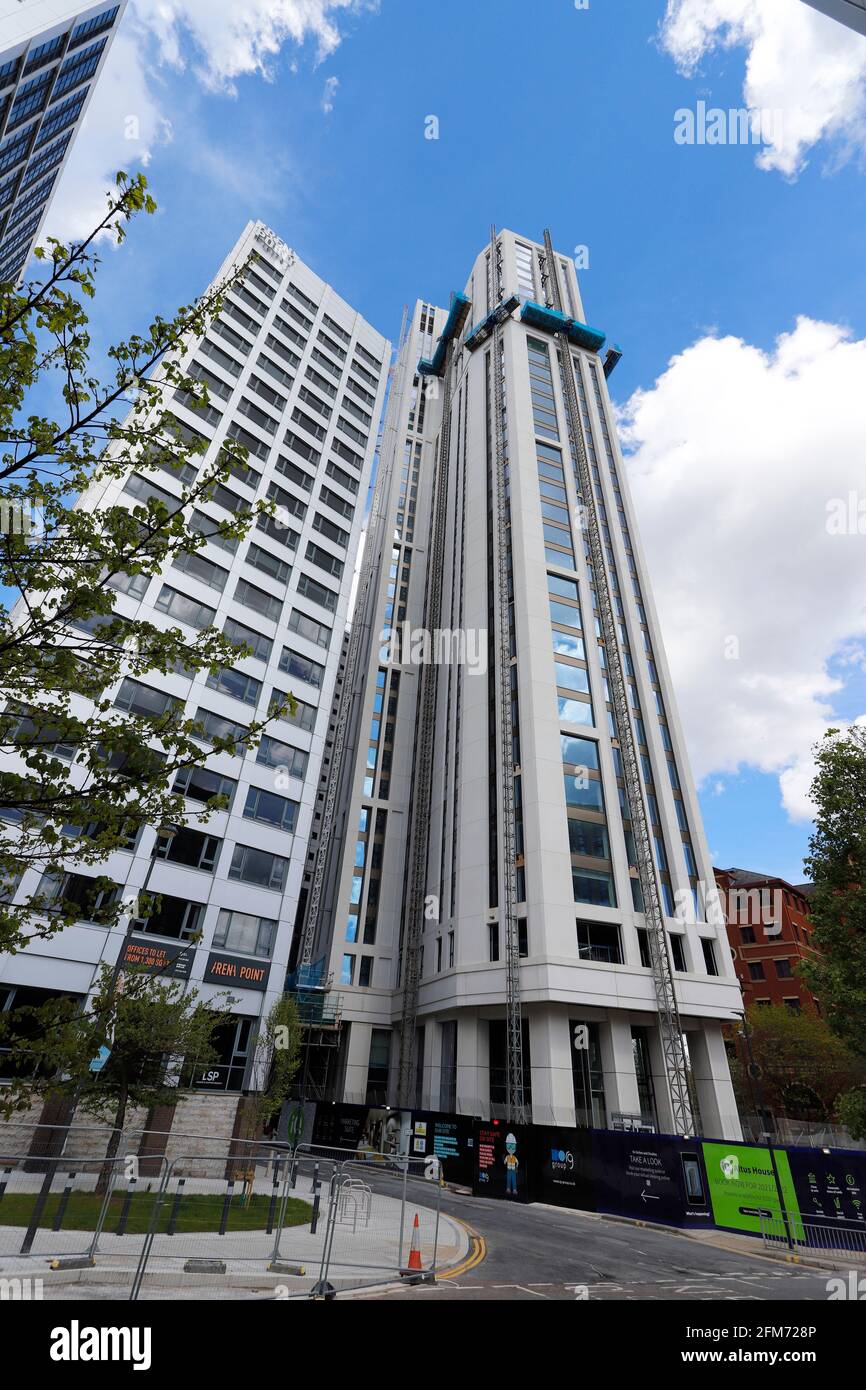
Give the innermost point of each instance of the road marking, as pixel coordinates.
(477, 1252)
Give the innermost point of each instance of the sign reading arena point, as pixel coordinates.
(235, 970)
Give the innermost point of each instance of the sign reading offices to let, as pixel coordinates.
(157, 959)
(235, 970)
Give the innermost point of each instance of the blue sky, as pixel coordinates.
(550, 115)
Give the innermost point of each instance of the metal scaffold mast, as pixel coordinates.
(422, 781)
(354, 666)
(673, 1048)
(516, 1105)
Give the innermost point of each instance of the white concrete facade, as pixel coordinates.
(282, 317)
(583, 958)
(51, 55)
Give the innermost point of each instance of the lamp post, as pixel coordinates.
(754, 1074)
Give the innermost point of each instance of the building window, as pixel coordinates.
(644, 946)
(379, 1065)
(136, 698)
(185, 610)
(247, 637)
(525, 278)
(192, 562)
(783, 969)
(587, 1074)
(448, 1066)
(756, 970)
(644, 1076)
(593, 887)
(599, 941)
(210, 727)
(678, 951)
(303, 668)
(251, 936)
(258, 867)
(88, 899)
(189, 847)
(201, 784)
(174, 917)
(272, 753)
(271, 809)
(236, 684)
(709, 950)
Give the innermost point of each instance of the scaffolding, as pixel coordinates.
(422, 782)
(516, 1102)
(673, 1048)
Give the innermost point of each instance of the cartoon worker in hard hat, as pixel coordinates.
(511, 1165)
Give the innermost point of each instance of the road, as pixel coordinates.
(531, 1253)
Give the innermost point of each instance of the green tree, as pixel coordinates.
(85, 776)
(275, 1062)
(148, 1025)
(837, 866)
(804, 1066)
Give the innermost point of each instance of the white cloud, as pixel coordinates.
(737, 455)
(799, 62)
(219, 41)
(231, 40)
(123, 126)
(329, 94)
(797, 780)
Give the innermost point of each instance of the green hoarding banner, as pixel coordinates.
(742, 1185)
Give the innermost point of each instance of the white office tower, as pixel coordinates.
(510, 889)
(296, 375)
(850, 12)
(51, 55)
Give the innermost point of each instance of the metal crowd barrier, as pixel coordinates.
(254, 1219)
(815, 1235)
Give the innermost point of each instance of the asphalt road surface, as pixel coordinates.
(533, 1253)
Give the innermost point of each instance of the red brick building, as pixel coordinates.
(769, 933)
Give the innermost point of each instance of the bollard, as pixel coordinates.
(63, 1203)
(224, 1219)
(272, 1205)
(120, 1228)
(175, 1207)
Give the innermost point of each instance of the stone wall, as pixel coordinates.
(202, 1125)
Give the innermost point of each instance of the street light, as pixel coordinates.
(754, 1074)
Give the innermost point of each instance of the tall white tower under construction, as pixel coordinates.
(511, 879)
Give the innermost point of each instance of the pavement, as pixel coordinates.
(370, 1243)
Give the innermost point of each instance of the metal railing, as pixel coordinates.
(815, 1235)
(247, 1219)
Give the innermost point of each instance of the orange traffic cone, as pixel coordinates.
(415, 1248)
